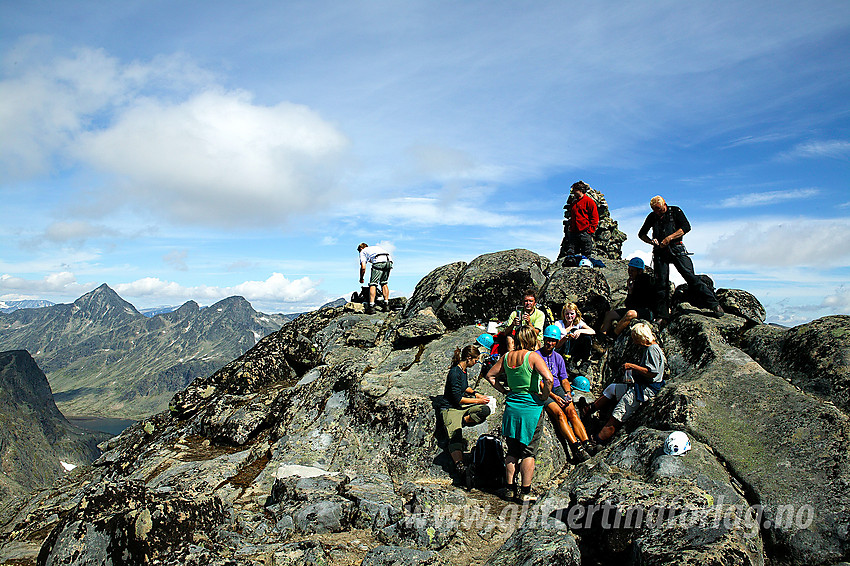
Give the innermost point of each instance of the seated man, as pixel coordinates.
(526, 315)
(559, 405)
(642, 382)
(640, 300)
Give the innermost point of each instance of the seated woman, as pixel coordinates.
(530, 382)
(642, 382)
(576, 335)
(461, 406)
(559, 405)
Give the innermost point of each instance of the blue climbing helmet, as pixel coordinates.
(581, 383)
(485, 340)
(637, 262)
(552, 331)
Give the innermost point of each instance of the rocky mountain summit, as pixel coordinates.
(318, 446)
(34, 436)
(104, 358)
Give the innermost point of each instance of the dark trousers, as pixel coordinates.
(677, 254)
(580, 243)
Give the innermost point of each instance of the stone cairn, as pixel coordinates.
(608, 239)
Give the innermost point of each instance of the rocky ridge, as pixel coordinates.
(34, 436)
(318, 446)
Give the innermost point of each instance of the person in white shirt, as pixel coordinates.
(382, 264)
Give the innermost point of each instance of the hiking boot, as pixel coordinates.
(579, 453)
(717, 311)
(507, 493)
(384, 306)
(370, 309)
(461, 472)
(526, 498)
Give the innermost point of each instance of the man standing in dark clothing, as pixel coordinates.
(668, 224)
(584, 220)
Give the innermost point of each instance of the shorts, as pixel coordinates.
(453, 423)
(519, 450)
(559, 391)
(642, 313)
(380, 273)
(626, 399)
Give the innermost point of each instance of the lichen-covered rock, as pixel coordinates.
(538, 543)
(586, 286)
(125, 523)
(814, 356)
(787, 447)
(741, 303)
(632, 495)
(422, 327)
(399, 556)
(492, 286)
(433, 289)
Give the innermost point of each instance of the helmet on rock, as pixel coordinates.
(581, 383)
(485, 340)
(585, 263)
(677, 443)
(552, 331)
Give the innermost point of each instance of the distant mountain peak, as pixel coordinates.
(102, 300)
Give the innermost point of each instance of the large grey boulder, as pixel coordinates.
(433, 289)
(813, 356)
(634, 503)
(586, 286)
(785, 446)
(492, 286)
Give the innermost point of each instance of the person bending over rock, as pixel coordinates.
(559, 405)
(641, 382)
(530, 382)
(461, 406)
(528, 315)
(382, 264)
(576, 335)
(640, 300)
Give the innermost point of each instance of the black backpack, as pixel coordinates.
(488, 463)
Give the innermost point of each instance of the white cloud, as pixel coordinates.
(176, 259)
(277, 288)
(434, 211)
(219, 159)
(61, 283)
(839, 301)
(46, 100)
(75, 231)
(836, 149)
(789, 242)
(767, 197)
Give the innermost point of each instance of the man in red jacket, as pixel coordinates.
(584, 219)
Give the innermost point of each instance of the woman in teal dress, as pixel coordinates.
(529, 384)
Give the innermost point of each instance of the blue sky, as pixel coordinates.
(196, 150)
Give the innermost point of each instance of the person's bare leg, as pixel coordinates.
(608, 430)
(526, 468)
(559, 421)
(575, 421)
(373, 291)
(608, 321)
(510, 470)
(624, 322)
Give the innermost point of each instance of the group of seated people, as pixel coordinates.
(532, 374)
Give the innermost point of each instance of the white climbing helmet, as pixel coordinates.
(677, 443)
(585, 263)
